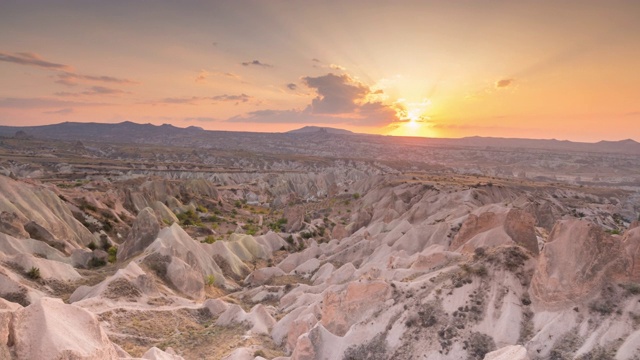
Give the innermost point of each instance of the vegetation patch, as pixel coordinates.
(33, 273)
(478, 345)
(376, 349)
(565, 346)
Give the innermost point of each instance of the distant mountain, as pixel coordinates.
(314, 129)
(133, 133)
(123, 132)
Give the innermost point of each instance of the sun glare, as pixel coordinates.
(414, 119)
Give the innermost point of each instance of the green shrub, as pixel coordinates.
(113, 252)
(92, 246)
(209, 239)
(210, 279)
(34, 273)
(189, 217)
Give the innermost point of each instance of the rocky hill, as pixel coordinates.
(112, 251)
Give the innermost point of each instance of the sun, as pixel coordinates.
(414, 118)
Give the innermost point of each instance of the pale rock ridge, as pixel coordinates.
(50, 329)
(37, 204)
(512, 352)
(259, 319)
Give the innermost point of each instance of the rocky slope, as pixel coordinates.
(338, 263)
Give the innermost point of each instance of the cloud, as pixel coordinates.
(202, 76)
(281, 117)
(69, 79)
(37, 103)
(59, 112)
(337, 94)
(201, 119)
(194, 100)
(256, 63)
(94, 90)
(340, 100)
(31, 59)
(503, 83)
(292, 86)
(101, 90)
(337, 67)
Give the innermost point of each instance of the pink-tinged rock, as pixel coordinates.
(345, 308)
(298, 327)
(475, 225)
(520, 226)
(51, 329)
(576, 259)
(512, 352)
(156, 354)
(631, 244)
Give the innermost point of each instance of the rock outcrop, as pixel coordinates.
(143, 232)
(50, 329)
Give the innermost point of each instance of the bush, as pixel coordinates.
(189, 217)
(209, 239)
(632, 288)
(92, 246)
(479, 345)
(210, 280)
(34, 273)
(565, 346)
(95, 262)
(113, 252)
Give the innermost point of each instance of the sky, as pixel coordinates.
(522, 69)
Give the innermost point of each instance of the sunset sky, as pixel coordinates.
(526, 69)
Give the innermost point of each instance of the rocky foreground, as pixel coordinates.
(330, 265)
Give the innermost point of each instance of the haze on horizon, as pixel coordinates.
(525, 69)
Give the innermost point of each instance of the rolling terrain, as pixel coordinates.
(138, 241)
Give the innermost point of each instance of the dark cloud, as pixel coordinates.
(292, 86)
(69, 79)
(315, 60)
(94, 90)
(31, 59)
(340, 100)
(240, 98)
(337, 94)
(503, 83)
(38, 103)
(59, 112)
(256, 63)
(194, 100)
(101, 90)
